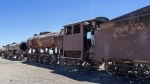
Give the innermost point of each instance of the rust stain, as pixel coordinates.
(130, 29)
(136, 27)
(107, 25)
(131, 54)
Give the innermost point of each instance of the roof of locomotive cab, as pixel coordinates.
(102, 19)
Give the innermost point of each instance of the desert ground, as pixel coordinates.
(22, 72)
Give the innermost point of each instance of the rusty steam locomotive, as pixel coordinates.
(121, 44)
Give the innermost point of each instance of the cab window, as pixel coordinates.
(76, 28)
(68, 30)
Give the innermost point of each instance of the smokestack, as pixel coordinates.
(14, 43)
(35, 34)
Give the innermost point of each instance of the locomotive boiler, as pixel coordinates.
(45, 41)
(16, 50)
(2, 50)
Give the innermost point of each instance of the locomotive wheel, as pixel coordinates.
(31, 58)
(142, 71)
(41, 59)
(71, 62)
(20, 57)
(46, 60)
(109, 67)
(10, 57)
(5, 56)
(80, 65)
(34, 58)
(28, 58)
(17, 57)
(53, 59)
(87, 66)
(77, 65)
(62, 62)
(97, 66)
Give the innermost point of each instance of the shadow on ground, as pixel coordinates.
(93, 77)
(11, 59)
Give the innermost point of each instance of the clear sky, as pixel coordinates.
(20, 19)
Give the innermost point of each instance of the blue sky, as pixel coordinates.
(20, 19)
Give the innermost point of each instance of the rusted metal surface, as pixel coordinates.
(46, 40)
(59, 42)
(16, 47)
(29, 42)
(2, 49)
(141, 11)
(73, 42)
(35, 42)
(32, 42)
(124, 39)
(13, 47)
(59, 39)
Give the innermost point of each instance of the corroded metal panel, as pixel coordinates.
(45, 40)
(59, 42)
(15, 46)
(73, 42)
(141, 11)
(35, 42)
(125, 39)
(22, 46)
(2, 49)
(32, 43)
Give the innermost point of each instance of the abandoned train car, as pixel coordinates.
(16, 50)
(76, 44)
(122, 44)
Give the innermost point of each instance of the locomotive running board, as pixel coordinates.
(71, 58)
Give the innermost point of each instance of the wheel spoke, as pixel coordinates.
(142, 71)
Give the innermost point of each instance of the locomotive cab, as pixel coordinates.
(76, 43)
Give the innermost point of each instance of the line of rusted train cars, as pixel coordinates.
(121, 44)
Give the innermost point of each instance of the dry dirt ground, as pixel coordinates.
(19, 72)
